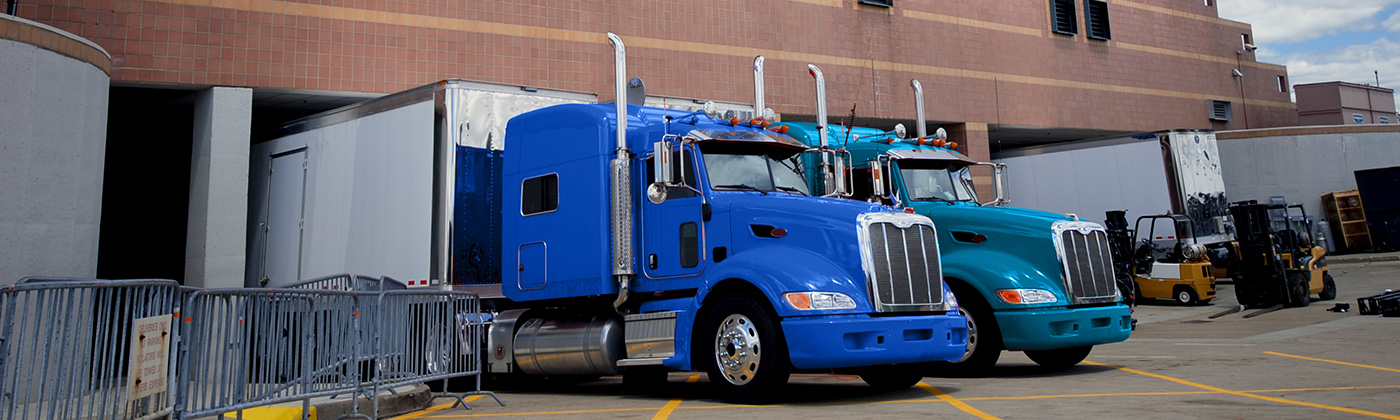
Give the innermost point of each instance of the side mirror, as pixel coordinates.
(877, 180)
(839, 170)
(998, 184)
(661, 164)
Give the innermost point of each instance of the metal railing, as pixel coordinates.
(86, 348)
(67, 348)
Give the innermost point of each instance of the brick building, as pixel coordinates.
(996, 74)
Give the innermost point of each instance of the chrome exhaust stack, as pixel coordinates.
(758, 88)
(919, 108)
(833, 166)
(621, 180)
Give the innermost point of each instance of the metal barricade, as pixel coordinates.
(86, 348)
(246, 348)
(349, 283)
(428, 335)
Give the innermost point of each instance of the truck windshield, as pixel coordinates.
(933, 180)
(746, 167)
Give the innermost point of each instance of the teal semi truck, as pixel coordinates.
(1027, 280)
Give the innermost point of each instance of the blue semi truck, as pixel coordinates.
(1027, 280)
(616, 239)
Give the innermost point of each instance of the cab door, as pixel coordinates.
(673, 233)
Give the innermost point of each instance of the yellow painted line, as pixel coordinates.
(496, 28)
(1249, 395)
(1334, 388)
(954, 401)
(428, 411)
(1334, 361)
(665, 412)
(272, 413)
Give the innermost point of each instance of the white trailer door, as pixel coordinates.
(286, 188)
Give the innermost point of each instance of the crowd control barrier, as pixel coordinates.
(87, 349)
(149, 349)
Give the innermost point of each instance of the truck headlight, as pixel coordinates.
(815, 301)
(949, 301)
(1026, 296)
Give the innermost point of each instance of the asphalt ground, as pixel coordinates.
(1294, 363)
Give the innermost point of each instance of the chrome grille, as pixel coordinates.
(901, 262)
(1085, 258)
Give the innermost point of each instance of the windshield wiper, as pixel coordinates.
(935, 199)
(743, 187)
(790, 189)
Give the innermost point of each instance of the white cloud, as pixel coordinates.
(1290, 21)
(1392, 24)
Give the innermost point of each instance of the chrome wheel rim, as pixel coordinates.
(737, 349)
(971, 335)
(1184, 297)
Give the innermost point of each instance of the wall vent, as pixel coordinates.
(1062, 17)
(1221, 111)
(1096, 20)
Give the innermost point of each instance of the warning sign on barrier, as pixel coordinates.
(150, 356)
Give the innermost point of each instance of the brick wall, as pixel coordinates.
(983, 62)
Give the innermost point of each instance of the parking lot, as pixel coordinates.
(1294, 363)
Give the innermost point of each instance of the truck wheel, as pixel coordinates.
(1059, 358)
(1329, 288)
(983, 338)
(891, 377)
(1185, 296)
(747, 359)
(1298, 289)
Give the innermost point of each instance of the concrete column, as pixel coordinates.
(973, 141)
(215, 245)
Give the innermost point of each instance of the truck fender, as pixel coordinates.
(991, 271)
(771, 271)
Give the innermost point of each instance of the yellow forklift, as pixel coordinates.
(1166, 266)
(1276, 263)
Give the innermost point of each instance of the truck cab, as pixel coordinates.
(693, 245)
(1027, 280)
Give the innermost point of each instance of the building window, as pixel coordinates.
(1221, 111)
(1096, 20)
(539, 195)
(881, 3)
(1283, 84)
(1062, 17)
(1246, 43)
(1209, 3)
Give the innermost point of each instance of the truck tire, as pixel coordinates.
(1059, 358)
(890, 377)
(1185, 296)
(1298, 293)
(1329, 288)
(983, 337)
(747, 358)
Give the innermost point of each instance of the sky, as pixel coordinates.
(1325, 40)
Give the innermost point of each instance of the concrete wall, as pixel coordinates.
(53, 128)
(1303, 163)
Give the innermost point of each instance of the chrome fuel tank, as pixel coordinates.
(552, 347)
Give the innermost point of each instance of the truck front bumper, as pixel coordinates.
(1058, 328)
(838, 341)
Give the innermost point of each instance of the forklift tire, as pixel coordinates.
(1329, 288)
(1059, 358)
(1185, 296)
(1298, 290)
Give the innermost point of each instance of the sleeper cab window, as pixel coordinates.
(539, 195)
